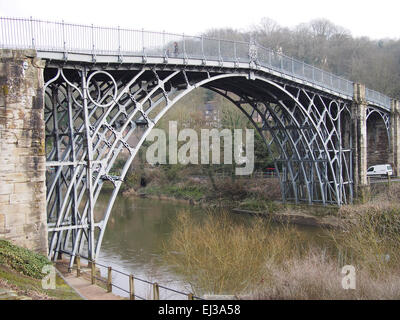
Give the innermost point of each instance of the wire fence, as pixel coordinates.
(20, 33)
(261, 175)
(264, 175)
(384, 178)
(130, 279)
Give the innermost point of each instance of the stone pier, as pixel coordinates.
(359, 134)
(395, 136)
(22, 150)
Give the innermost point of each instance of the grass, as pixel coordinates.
(258, 261)
(317, 277)
(32, 287)
(373, 238)
(20, 270)
(257, 204)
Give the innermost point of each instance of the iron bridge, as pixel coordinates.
(103, 85)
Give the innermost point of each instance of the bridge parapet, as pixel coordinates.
(378, 98)
(59, 40)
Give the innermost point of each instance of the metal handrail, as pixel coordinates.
(131, 291)
(377, 97)
(49, 36)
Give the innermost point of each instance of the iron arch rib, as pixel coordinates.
(300, 146)
(91, 115)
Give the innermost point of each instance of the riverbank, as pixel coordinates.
(330, 222)
(21, 276)
(255, 196)
(323, 217)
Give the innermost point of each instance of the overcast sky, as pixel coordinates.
(375, 19)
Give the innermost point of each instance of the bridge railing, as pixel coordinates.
(127, 283)
(377, 98)
(299, 69)
(18, 33)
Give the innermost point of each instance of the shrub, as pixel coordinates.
(22, 260)
(372, 237)
(235, 190)
(256, 260)
(217, 255)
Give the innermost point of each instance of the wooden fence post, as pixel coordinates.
(93, 274)
(131, 287)
(78, 265)
(109, 279)
(156, 291)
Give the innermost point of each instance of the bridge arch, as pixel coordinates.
(90, 114)
(378, 136)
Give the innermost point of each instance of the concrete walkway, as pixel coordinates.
(83, 285)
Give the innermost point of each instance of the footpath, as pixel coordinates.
(82, 285)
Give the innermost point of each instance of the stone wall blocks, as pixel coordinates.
(23, 217)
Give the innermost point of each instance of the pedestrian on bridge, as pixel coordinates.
(176, 50)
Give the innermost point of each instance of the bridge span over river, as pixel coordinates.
(87, 89)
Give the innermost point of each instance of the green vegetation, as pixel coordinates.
(22, 260)
(255, 204)
(20, 270)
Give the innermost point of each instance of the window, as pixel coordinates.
(371, 169)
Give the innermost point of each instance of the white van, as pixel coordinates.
(380, 170)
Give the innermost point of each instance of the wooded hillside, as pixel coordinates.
(375, 63)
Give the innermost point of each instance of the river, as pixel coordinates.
(133, 243)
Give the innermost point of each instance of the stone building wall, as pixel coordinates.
(22, 150)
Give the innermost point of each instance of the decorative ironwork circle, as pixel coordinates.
(115, 89)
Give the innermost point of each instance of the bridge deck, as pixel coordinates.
(93, 44)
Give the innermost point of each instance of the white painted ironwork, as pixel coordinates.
(86, 137)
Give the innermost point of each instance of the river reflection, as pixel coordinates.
(134, 238)
(133, 242)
